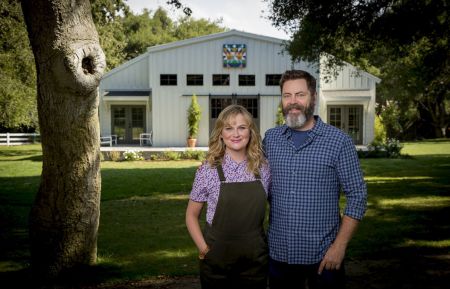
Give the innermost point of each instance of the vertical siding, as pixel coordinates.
(169, 119)
(132, 76)
(349, 79)
(268, 112)
(166, 114)
(351, 88)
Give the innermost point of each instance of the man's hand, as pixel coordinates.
(335, 255)
(333, 258)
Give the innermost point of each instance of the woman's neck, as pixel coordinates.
(237, 156)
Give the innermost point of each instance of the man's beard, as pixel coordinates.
(297, 121)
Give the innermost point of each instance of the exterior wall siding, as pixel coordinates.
(351, 87)
(205, 58)
(167, 106)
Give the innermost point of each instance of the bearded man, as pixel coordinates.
(311, 163)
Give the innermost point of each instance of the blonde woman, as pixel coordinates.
(233, 182)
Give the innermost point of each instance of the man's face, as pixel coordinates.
(297, 102)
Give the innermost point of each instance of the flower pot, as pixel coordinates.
(191, 142)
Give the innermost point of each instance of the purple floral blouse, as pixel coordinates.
(206, 185)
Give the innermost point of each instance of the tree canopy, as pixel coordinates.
(123, 35)
(404, 42)
(17, 71)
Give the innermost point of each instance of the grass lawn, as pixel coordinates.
(142, 231)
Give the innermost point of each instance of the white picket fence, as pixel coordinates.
(10, 139)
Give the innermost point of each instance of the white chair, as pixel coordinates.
(145, 138)
(114, 138)
(106, 140)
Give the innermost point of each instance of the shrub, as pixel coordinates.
(171, 156)
(132, 155)
(114, 156)
(193, 155)
(166, 156)
(380, 131)
(392, 147)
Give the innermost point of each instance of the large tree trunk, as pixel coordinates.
(65, 215)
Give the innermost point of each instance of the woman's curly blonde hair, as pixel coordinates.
(254, 152)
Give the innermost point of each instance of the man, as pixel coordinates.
(311, 162)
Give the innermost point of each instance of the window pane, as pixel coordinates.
(251, 104)
(218, 104)
(194, 79)
(273, 79)
(168, 79)
(246, 80)
(221, 79)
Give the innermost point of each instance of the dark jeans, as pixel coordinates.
(285, 276)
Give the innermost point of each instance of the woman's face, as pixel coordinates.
(236, 134)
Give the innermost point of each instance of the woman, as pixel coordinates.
(233, 182)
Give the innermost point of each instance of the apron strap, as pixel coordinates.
(258, 175)
(221, 174)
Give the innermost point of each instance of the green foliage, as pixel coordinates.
(171, 156)
(132, 155)
(380, 131)
(107, 16)
(113, 156)
(392, 147)
(405, 43)
(17, 71)
(194, 155)
(279, 117)
(388, 148)
(193, 116)
(188, 27)
(149, 29)
(122, 34)
(166, 156)
(17, 104)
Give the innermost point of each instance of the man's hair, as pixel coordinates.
(299, 74)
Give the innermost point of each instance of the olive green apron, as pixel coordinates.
(238, 255)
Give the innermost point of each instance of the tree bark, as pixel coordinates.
(69, 62)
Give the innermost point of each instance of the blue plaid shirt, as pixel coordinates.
(306, 184)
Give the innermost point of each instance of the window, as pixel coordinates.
(251, 104)
(194, 79)
(246, 80)
(168, 79)
(218, 104)
(221, 79)
(273, 79)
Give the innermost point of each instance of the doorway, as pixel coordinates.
(348, 118)
(127, 122)
(218, 102)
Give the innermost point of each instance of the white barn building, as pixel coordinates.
(152, 92)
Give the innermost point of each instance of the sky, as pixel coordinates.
(244, 15)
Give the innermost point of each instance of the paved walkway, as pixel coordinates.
(169, 149)
(149, 148)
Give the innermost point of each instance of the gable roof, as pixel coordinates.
(209, 37)
(125, 65)
(214, 36)
(200, 39)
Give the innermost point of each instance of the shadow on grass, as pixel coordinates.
(15, 153)
(142, 231)
(80, 277)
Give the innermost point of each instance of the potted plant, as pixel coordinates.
(193, 116)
